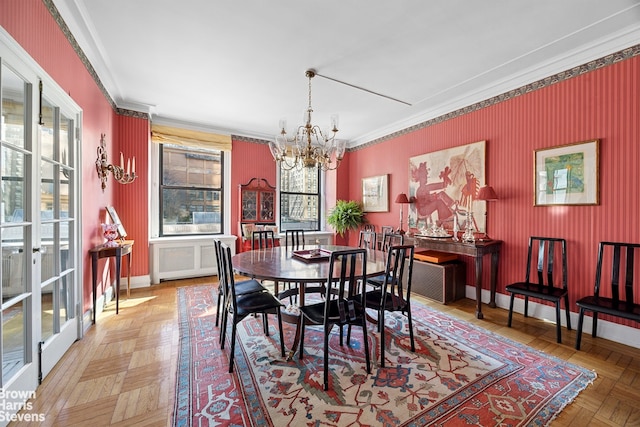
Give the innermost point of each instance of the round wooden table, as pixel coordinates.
(280, 265)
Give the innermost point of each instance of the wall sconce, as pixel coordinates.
(486, 193)
(103, 167)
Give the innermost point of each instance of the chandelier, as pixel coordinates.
(309, 147)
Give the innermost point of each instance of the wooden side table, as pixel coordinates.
(124, 248)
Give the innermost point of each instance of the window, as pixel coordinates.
(191, 195)
(300, 199)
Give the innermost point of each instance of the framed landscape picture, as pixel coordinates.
(567, 174)
(375, 193)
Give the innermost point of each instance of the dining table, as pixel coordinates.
(282, 264)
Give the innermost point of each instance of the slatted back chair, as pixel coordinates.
(294, 239)
(549, 282)
(239, 307)
(262, 239)
(621, 284)
(394, 293)
(344, 302)
(386, 229)
(369, 227)
(367, 240)
(391, 239)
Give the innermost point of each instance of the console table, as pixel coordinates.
(476, 250)
(124, 248)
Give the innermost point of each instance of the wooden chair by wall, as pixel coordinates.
(550, 282)
(294, 238)
(622, 284)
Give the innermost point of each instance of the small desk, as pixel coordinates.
(124, 248)
(477, 250)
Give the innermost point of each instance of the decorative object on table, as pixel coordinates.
(346, 216)
(402, 199)
(375, 193)
(487, 385)
(468, 236)
(110, 232)
(488, 194)
(567, 175)
(309, 147)
(120, 174)
(456, 228)
(445, 184)
(116, 220)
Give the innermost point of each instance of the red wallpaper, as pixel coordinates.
(603, 104)
(31, 24)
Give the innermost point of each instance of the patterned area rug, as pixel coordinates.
(459, 375)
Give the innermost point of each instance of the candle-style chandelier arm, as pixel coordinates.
(103, 167)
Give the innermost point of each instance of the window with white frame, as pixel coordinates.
(300, 198)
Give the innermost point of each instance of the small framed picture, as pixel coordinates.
(116, 220)
(567, 174)
(375, 193)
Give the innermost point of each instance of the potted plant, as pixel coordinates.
(346, 215)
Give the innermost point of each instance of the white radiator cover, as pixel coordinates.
(183, 257)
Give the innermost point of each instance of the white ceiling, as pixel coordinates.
(237, 66)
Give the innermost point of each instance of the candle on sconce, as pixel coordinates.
(128, 166)
(121, 160)
(133, 169)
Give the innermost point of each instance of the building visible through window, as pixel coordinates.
(300, 199)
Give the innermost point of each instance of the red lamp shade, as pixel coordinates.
(487, 193)
(402, 198)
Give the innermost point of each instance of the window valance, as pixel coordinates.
(193, 138)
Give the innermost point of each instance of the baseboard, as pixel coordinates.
(606, 330)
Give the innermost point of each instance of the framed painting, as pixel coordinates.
(567, 174)
(116, 220)
(375, 193)
(445, 186)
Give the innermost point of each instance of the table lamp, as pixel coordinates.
(488, 194)
(403, 200)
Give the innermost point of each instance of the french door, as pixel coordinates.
(38, 224)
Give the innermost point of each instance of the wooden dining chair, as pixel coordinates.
(386, 229)
(620, 285)
(344, 303)
(367, 240)
(369, 227)
(549, 282)
(261, 239)
(394, 293)
(388, 240)
(242, 288)
(241, 306)
(294, 238)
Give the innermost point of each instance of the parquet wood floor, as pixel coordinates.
(122, 373)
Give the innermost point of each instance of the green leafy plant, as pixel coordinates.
(346, 215)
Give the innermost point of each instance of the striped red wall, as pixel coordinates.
(603, 104)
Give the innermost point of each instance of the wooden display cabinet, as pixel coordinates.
(257, 208)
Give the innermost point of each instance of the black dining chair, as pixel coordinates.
(294, 239)
(388, 240)
(261, 239)
(242, 288)
(241, 306)
(548, 256)
(344, 303)
(367, 240)
(619, 285)
(394, 293)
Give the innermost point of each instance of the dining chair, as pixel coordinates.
(344, 303)
(369, 227)
(394, 294)
(388, 240)
(261, 239)
(386, 229)
(367, 240)
(241, 306)
(550, 282)
(294, 238)
(243, 287)
(618, 286)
